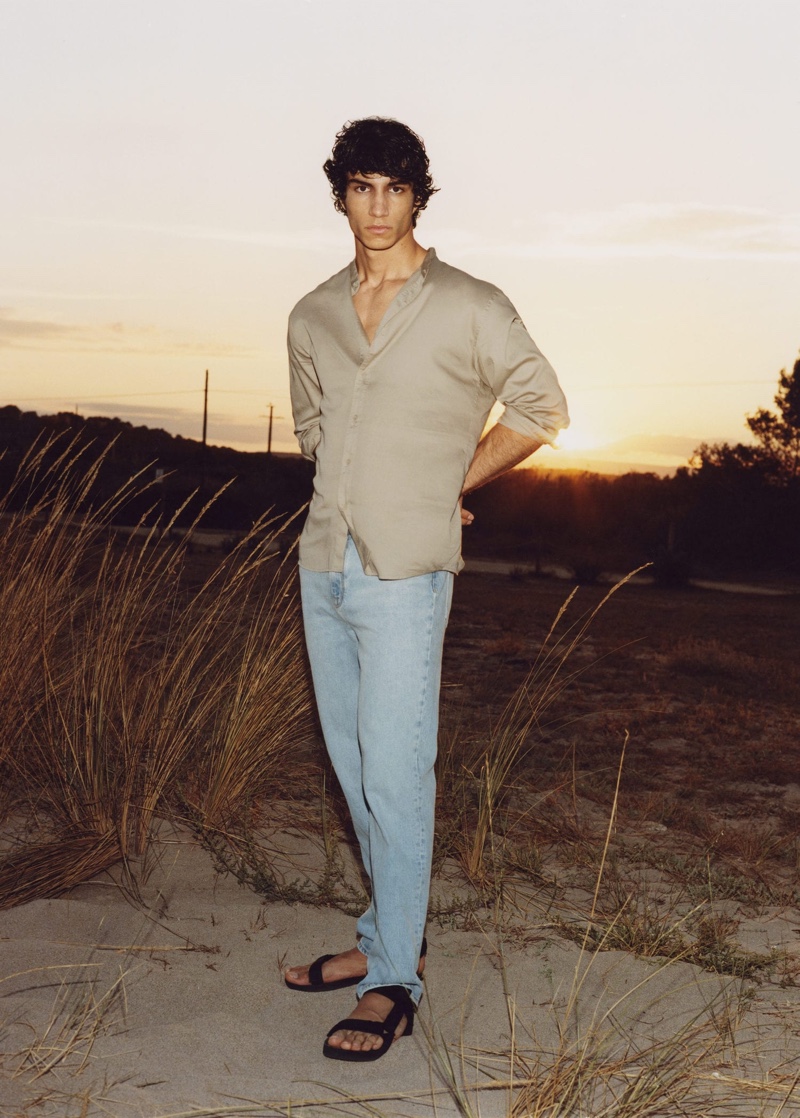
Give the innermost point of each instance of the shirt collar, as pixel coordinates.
(414, 282)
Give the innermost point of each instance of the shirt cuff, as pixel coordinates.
(524, 425)
(309, 441)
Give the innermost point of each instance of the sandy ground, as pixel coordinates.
(175, 1005)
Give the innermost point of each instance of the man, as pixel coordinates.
(395, 363)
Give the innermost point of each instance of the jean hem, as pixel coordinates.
(413, 992)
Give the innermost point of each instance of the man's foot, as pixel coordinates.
(330, 972)
(334, 972)
(390, 1016)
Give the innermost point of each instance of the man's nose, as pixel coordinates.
(380, 203)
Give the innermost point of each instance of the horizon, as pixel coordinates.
(613, 460)
(623, 172)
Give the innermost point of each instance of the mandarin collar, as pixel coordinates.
(412, 284)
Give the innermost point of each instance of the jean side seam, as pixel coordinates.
(420, 853)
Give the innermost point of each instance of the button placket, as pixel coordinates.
(348, 449)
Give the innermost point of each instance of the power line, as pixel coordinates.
(167, 392)
(673, 384)
(118, 395)
(249, 392)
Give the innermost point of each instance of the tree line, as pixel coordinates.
(188, 473)
(733, 511)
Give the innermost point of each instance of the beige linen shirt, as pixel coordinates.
(393, 426)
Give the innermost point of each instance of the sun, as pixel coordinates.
(576, 438)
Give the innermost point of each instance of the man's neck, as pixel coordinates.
(378, 266)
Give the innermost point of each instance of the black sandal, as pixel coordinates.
(316, 983)
(402, 1007)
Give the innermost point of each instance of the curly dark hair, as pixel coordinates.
(379, 146)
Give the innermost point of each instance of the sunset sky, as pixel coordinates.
(628, 171)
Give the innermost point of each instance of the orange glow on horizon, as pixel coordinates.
(577, 438)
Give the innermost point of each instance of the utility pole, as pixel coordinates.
(203, 448)
(205, 411)
(270, 417)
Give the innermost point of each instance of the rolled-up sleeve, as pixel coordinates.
(518, 374)
(305, 389)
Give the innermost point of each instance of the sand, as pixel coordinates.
(174, 1004)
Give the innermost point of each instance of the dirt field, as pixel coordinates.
(704, 685)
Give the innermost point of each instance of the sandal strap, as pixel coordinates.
(315, 976)
(377, 1028)
(395, 1016)
(403, 1007)
(396, 994)
(315, 970)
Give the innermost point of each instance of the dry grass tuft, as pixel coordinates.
(83, 1010)
(486, 777)
(587, 1077)
(48, 869)
(125, 693)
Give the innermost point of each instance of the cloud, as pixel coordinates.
(60, 295)
(637, 230)
(113, 337)
(674, 446)
(647, 231)
(660, 454)
(30, 333)
(313, 240)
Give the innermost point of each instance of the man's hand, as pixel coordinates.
(496, 453)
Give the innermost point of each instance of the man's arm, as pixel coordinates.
(497, 452)
(305, 391)
(521, 378)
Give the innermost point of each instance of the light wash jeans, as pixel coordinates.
(375, 647)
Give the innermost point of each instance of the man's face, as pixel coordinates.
(380, 210)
